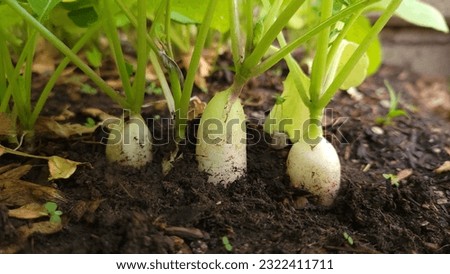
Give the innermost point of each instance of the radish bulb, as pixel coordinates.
(129, 142)
(316, 168)
(221, 140)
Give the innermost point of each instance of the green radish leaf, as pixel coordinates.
(422, 14)
(8, 20)
(359, 72)
(289, 115)
(42, 7)
(357, 33)
(180, 18)
(77, 4)
(418, 13)
(193, 11)
(83, 17)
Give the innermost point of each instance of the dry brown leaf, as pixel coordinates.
(61, 168)
(48, 125)
(447, 149)
(14, 171)
(40, 227)
(203, 71)
(25, 231)
(6, 124)
(44, 61)
(196, 108)
(2, 150)
(98, 113)
(3, 169)
(403, 174)
(15, 192)
(445, 167)
(28, 211)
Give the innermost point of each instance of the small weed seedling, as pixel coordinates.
(227, 244)
(348, 238)
(394, 111)
(53, 213)
(393, 178)
(89, 122)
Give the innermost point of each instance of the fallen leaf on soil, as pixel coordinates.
(65, 114)
(403, 174)
(2, 150)
(28, 211)
(61, 168)
(48, 125)
(17, 192)
(196, 108)
(13, 171)
(25, 231)
(445, 167)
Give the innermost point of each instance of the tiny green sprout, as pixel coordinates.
(88, 89)
(348, 238)
(393, 104)
(393, 178)
(89, 122)
(55, 215)
(227, 244)
(154, 89)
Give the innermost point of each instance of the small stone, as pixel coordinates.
(437, 150)
(300, 203)
(377, 130)
(385, 103)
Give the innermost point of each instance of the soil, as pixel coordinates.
(111, 209)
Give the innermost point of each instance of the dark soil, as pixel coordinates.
(119, 210)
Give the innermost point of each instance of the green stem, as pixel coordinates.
(67, 52)
(156, 59)
(196, 55)
(236, 50)
(167, 29)
(248, 11)
(320, 60)
(139, 84)
(171, 104)
(272, 60)
(114, 42)
(59, 70)
(133, 22)
(314, 129)
(2, 74)
(298, 73)
(335, 45)
(5, 90)
(254, 58)
(359, 52)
